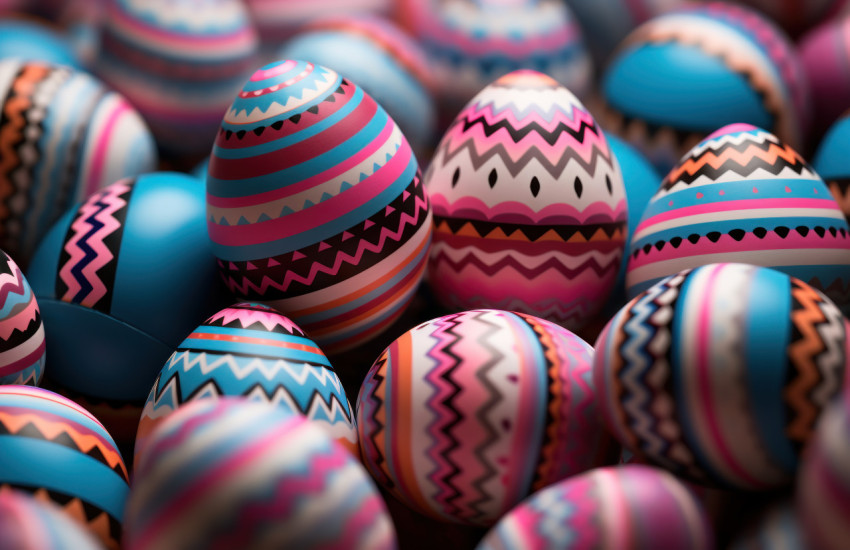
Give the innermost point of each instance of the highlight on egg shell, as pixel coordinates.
(530, 210)
(315, 205)
(720, 373)
(22, 347)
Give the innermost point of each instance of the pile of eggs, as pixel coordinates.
(480, 274)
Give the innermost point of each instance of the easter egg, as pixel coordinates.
(56, 450)
(315, 206)
(31, 41)
(27, 523)
(635, 507)
(471, 43)
(465, 415)
(529, 205)
(682, 75)
(121, 279)
(231, 473)
(719, 373)
(795, 16)
(22, 347)
(742, 195)
(827, 70)
(253, 351)
(179, 62)
(830, 162)
(382, 59)
(64, 135)
(823, 487)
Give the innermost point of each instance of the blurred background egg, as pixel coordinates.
(251, 350)
(529, 205)
(742, 195)
(57, 451)
(830, 162)
(719, 373)
(27, 523)
(681, 75)
(121, 279)
(465, 415)
(22, 347)
(31, 40)
(233, 473)
(63, 136)
(796, 16)
(180, 62)
(315, 205)
(823, 52)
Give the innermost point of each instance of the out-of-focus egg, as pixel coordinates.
(121, 279)
(53, 448)
(31, 41)
(742, 195)
(779, 528)
(796, 16)
(27, 523)
(63, 136)
(315, 205)
(179, 62)
(252, 351)
(231, 473)
(465, 415)
(680, 76)
(529, 204)
(471, 43)
(719, 373)
(383, 60)
(635, 507)
(22, 346)
(827, 70)
(830, 162)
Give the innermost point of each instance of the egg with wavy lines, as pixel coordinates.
(743, 195)
(530, 209)
(720, 373)
(28, 523)
(22, 347)
(465, 415)
(315, 205)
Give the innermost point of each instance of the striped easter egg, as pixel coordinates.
(232, 473)
(315, 206)
(22, 347)
(53, 448)
(719, 373)
(465, 415)
(27, 523)
(742, 195)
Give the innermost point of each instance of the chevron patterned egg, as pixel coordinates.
(22, 348)
(56, 450)
(233, 473)
(253, 351)
(635, 507)
(27, 523)
(742, 195)
(529, 205)
(465, 415)
(720, 373)
(314, 204)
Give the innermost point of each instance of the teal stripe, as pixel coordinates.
(253, 349)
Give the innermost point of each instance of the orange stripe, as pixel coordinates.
(253, 340)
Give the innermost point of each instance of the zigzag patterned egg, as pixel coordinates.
(719, 373)
(529, 205)
(28, 523)
(741, 195)
(625, 507)
(53, 448)
(253, 351)
(234, 473)
(22, 347)
(314, 204)
(464, 416)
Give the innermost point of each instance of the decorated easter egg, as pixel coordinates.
(742, 195)
(830, 162)
(22, 347)
(823, 487)
(121, 279)
(315, 206)
(382, 59)
(253, 351)
(681, 75)
(635, 507)
(827, 70)
(465, 415)
(232, 473)
(27, 523)
(719, 373)
(796, 16)
(179, 62)
(53, 448)
(64, 135)
(29, 40)
(471, 43)
(529, 205)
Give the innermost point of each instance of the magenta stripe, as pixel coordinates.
(182, 41)
(98, 159)
(287, 65)
(24, 362)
